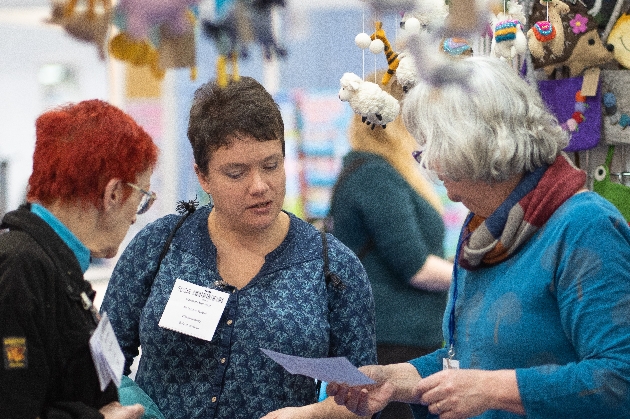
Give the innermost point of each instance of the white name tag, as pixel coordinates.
(106, 354)
(450, 364)
(193, 310)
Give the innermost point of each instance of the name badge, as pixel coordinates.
(106, 354)
(193, 310)
(450, 364)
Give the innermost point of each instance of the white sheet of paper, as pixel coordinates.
(193, 310)
(106, 354)
(330, 370)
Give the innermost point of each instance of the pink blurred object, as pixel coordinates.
(142, 15)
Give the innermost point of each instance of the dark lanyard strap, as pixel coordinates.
(451, 320)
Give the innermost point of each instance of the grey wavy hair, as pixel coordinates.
(491, 127)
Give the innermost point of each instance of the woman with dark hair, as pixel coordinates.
(273, 272)
(91, 175)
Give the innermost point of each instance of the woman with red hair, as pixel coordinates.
(91, 175)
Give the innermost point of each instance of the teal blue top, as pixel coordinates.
(558, 312)
(80, 251)
(375, 202)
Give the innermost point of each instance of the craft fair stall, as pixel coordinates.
(153, 55)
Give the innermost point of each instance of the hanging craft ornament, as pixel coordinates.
(577, 44)
(379, 37)
(88, 24)
(544, 32)
(376, 106)
(363, 40)
(456, 47)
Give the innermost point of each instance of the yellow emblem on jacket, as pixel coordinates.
(14, 353)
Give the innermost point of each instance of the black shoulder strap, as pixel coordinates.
(184, 208)
(330, 276)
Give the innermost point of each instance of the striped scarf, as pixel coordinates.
(489, 241)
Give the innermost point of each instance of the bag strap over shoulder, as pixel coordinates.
(185, 209)
(330, 276)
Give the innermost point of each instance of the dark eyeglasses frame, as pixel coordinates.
(148, 198)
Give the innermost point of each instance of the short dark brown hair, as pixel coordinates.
(221, 114)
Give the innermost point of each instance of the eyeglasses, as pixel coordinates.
(417, 155)
(147, 198)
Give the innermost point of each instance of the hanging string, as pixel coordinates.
(375, 67)
(363, 31)
(547, 11)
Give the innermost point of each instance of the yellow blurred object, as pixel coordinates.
(140, 53)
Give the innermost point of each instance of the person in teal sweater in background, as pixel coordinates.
(390, 216)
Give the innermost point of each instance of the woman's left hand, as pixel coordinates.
(460, 393)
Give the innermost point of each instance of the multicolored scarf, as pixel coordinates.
(489, 241)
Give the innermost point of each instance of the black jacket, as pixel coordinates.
(47, 369)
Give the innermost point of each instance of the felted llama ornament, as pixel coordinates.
(508, 38)
(549, 32)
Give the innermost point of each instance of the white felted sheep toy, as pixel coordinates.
(367, 99)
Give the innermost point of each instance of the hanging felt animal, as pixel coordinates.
(617, 193)
(138, 53)
(549, 32)
(159, 35)
(582, 45)
(87, 24)
(390, 54)
(143, 16)
(235, 25)
(508, 39)
(262, 28)
(367, 99)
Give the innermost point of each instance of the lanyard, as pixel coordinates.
(451, 321)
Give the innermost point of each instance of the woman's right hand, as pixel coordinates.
(115, 410)
(396, 382)
(363, 400)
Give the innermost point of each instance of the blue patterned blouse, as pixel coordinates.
(286, 308)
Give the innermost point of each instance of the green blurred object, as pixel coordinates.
(617, 193)
(130, 393)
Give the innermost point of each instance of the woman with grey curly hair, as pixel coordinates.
(537, 318)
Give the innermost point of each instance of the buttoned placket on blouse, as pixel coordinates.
(229, 316)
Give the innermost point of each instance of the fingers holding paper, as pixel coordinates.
(393, 382)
